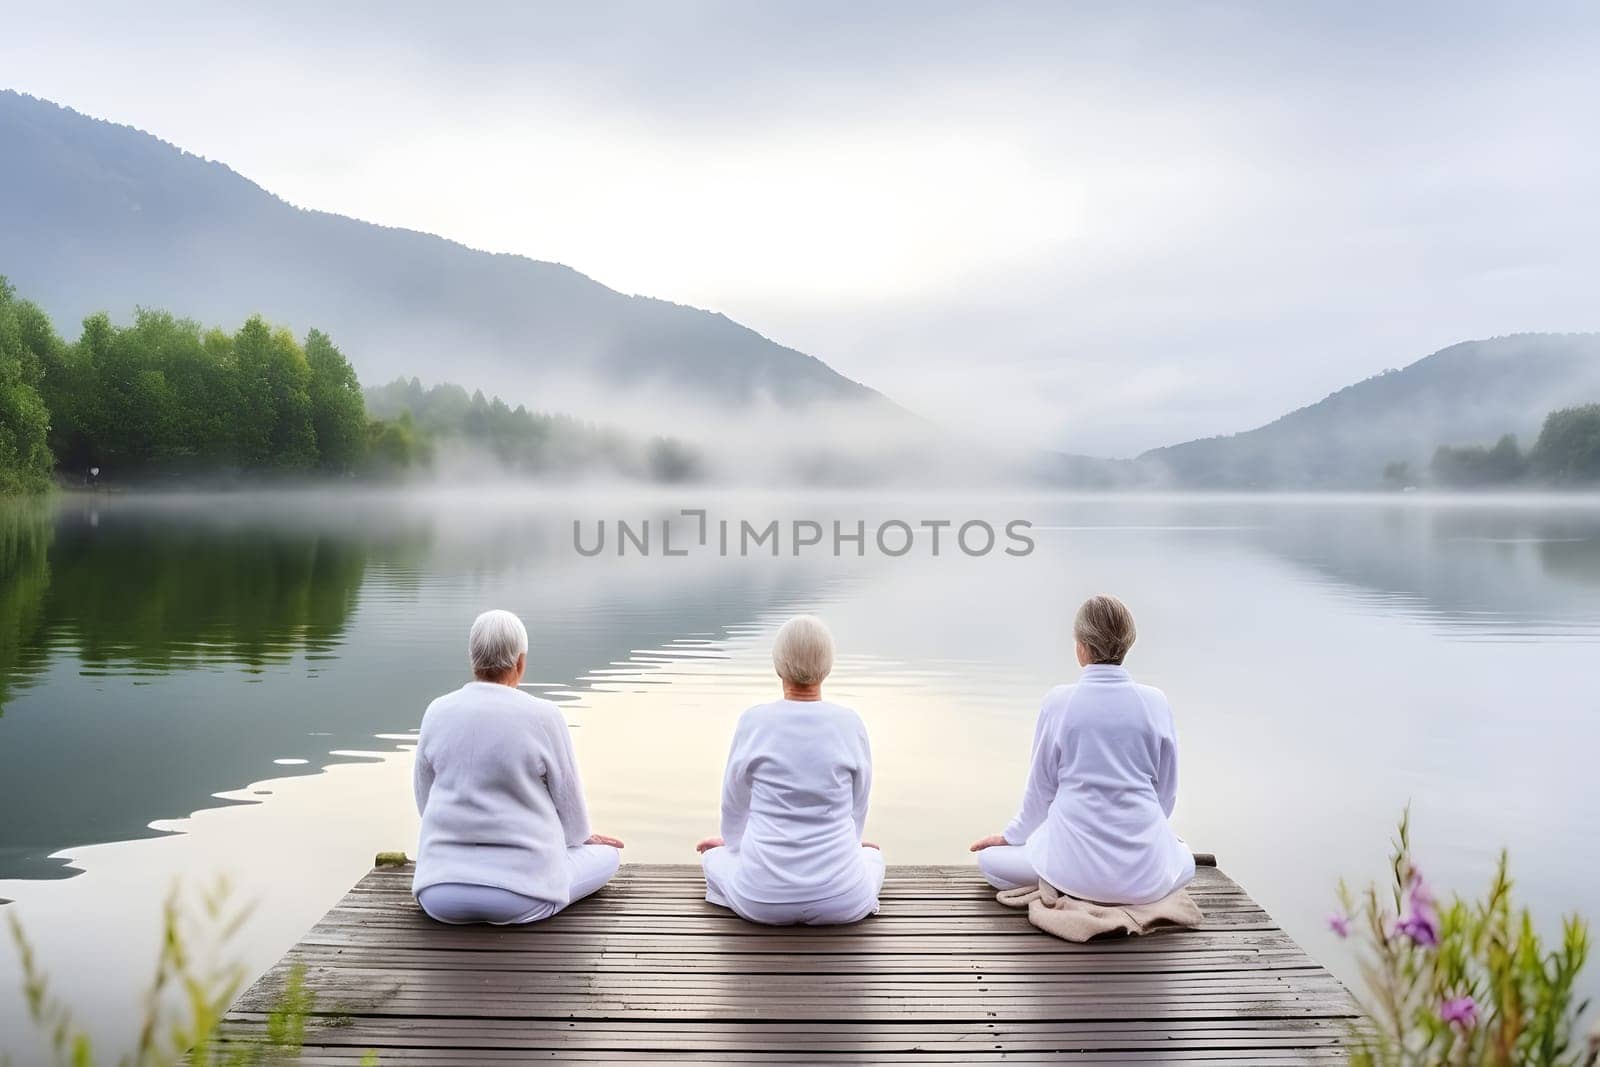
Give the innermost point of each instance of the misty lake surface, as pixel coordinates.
(204, 685)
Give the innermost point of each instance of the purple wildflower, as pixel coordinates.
(1421, 929)
(1339, 923)
(1460, 1011)
(1422, 924)
(1421, 896)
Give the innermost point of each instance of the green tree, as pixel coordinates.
(1398, 474)
(25, 459)
(200, 381)
(1568, 449)
(524, 442)
(254, 416)
(294, 438)
(1475, 466)
(672, 461)
(393, 445)
(273, 430)
(338, 412)
(132, 414)
(68, 388)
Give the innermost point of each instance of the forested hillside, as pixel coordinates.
(98, 215)
(164, 400)
(1474, 391)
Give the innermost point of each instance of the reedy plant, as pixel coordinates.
(195, 981)
(1470, 982)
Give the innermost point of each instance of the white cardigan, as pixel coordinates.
(497, 787)
(1101, 786)
(794, 801)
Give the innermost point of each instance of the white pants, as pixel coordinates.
(853, 905)
(1007, 867)
(590, 867)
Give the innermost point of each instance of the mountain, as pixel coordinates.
(1469, 393)
(97, 216)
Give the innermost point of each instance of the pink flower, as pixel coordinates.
(1339, 923)
(1460, 1011)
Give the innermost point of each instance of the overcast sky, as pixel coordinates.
(1095, 227)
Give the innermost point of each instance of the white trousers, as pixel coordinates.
(1007, 867)
(853, 905)
(590, 867)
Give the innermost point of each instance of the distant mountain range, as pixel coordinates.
(1469, 393)
(96, 216)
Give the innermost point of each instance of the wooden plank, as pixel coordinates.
(756, 963)
(820, 1037)
(1004, 925)
(457, 1058)
(784, 943)
(647, 970)
(360, 990)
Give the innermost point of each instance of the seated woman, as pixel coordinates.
(505, 834)
(794, 800)
(1102, 783)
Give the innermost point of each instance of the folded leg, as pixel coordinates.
(1007, 867)
(591, 866)
(458, 903)
(720, 864)
(852, 906)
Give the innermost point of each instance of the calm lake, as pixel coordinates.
(195, 685)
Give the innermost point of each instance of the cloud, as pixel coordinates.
(1100, 232)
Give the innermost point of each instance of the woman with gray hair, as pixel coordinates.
(794, 800)
(1102, 782)
(505, 833)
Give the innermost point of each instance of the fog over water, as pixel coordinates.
(1329, 659)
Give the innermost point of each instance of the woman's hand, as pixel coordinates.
(709, 843)
(869, 844)
(988, 842)
(602, 839)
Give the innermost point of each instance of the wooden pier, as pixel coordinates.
(646, 970)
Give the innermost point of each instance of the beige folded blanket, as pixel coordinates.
(1072, 919)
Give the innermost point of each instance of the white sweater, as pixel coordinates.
(1102, 784)
(497, 787)
(794, 801)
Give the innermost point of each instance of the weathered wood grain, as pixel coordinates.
(646, 970)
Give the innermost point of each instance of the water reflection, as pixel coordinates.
(25, 531)
(155, 653)
(1471, 571)
(101, 606)
(1325, 658)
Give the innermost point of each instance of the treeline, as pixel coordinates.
(419, 419)
(25, 459)
(1567, 453)
(165, 399)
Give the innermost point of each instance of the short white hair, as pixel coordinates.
(802, 653)
(497, 639)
